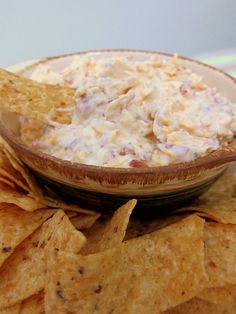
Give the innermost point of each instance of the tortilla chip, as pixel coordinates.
(223, 211)
(35, 191)
(144, 275)
(25, 268)
(33, 305)
(35, 100)
(197, 306)
(8, 172)
(82, 221)
(62, 234)
(223, 296)
(24, 172)
(100, 237)
(220, 254)
(51, 202)
(24, 201)
(16, 225)
(14, 309)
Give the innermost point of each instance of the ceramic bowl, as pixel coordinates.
(158, 189)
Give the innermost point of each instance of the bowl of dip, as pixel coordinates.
(146, 125)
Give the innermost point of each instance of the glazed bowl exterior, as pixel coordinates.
(158, 189)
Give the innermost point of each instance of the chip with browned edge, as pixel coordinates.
(25, 268)
(148, 274)
(16, 225)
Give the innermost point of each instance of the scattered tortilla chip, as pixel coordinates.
(16, 225)
(31, 184)
(197, 306)
(145, 275)
(17, 170)
(7, 171)
(25, 268)
(223, 296)
(33, 305)
(100, 237)
(31, 203)
(35, 100)
(62, 234)
(51, 202)
(82, 221)
(14, 309)
(24, 201)
(223, 211)
(24, 172)
(220, 254)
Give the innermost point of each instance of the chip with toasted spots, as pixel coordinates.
(16, 225)
(36, 100)
(220, 253)
(25, 267)
(148, 274)
(180, 263)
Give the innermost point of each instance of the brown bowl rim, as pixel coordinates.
(164, 173)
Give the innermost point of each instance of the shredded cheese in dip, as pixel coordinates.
(133, 113)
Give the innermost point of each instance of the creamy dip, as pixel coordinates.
(133, 113)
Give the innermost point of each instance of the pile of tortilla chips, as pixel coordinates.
(60, 258)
